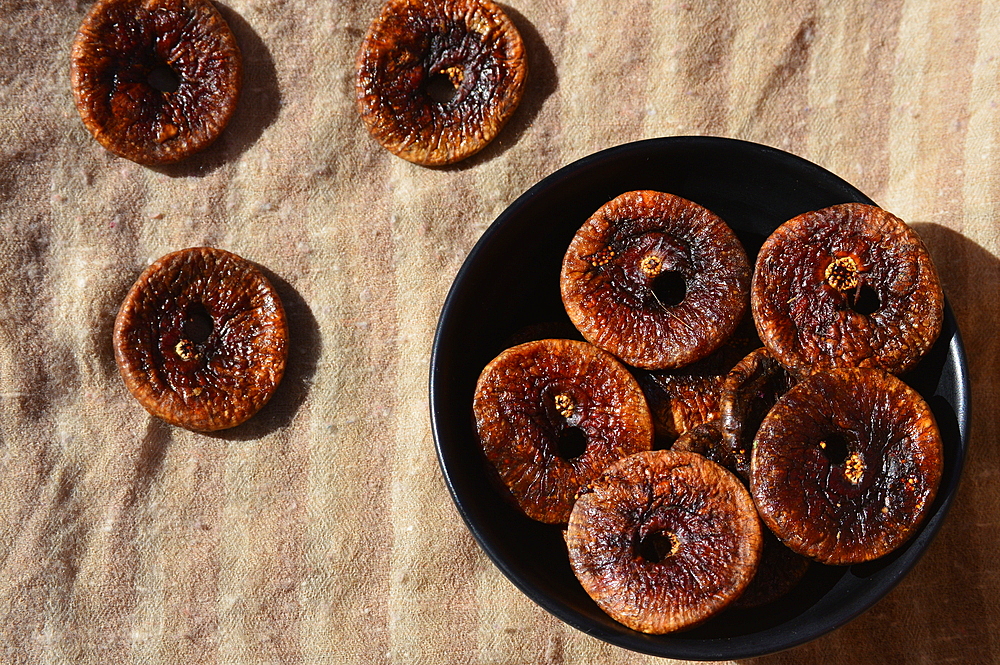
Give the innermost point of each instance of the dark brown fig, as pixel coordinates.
(847, 286)
(664, 540)
(201, 339)
(655, 279)
(706, 440)
(748, 392)
(551, 415)
(155, 80)
(779, 569)
(438, 79)
(846, 465)
(682, 399)
(678, 402)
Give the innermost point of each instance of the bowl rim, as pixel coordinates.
(744, 646)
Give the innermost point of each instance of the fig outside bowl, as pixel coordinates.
(510, 283)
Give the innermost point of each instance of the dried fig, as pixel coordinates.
(684, 398)
(438, 79)
(847, 286)
(655, 279)
(706, 440)
(663, 540)
(748, 392)
(155, 80)
(551, 415)
(779, 569)
(846, 465)
(201, 339)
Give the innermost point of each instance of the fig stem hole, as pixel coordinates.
(658, 546)
(835, 448)
(866, 302)
(198, 325)
(441, 87)
(669, 288)
(163, 78)
(572, 443)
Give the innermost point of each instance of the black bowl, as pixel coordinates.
(510, 282)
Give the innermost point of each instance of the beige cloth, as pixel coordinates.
(321, 531)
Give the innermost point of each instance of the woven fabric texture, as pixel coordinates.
(321, 531)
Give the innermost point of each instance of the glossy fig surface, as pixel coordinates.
(551, 415)
(664, 540)
(655, 279)
(747, 394)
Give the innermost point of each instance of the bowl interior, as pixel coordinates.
(510, 283)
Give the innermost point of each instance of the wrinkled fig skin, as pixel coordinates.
(809, 325)
(531, 394)
(706, 440)
(118, 46)
(866, 500)
(684, 398)
(748, 392)
(212, 379)
(779, 569)
(700, 506)
(472, 44)
(608, 282)
(679, 402)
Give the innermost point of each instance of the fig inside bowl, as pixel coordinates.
(508, 291)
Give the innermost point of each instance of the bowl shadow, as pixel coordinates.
(257, 109)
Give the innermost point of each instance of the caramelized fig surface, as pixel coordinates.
(438, 79)
(155, 80)
(681, 399)
(846, 465)
(748, 392)
(201, 339)
(663, 540)
(551, 415)
(655, 279)
(847, 286)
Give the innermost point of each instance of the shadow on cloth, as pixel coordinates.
(945, 610)
(258, 107)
